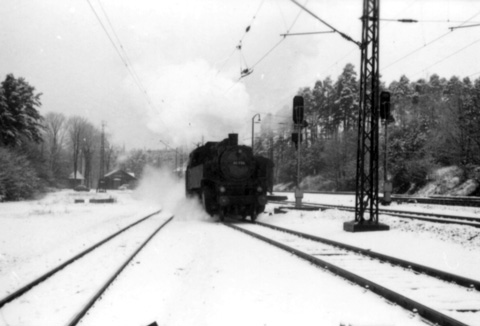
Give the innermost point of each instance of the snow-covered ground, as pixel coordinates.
(199, 272)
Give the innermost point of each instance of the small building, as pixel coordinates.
(75, 181)
(117, 178)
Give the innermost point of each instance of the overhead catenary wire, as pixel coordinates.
(307, 33)
(345, 36)
(122, 48)
(280, 41)
(425, 45)
(414, 51)
(447, 57)
(409, 20)
(464, 26)
(239, 45)
(267, 53)
(118, 49)
(406, 7)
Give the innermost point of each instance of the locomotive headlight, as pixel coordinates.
(259, 189)
(222, 189)
(223, 201)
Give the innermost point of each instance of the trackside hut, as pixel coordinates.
(117, 178)
(75, 180)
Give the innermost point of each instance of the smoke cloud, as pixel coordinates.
(197, 103)
(162, 187)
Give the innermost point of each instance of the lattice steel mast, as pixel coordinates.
(366, 197)
(368, 122)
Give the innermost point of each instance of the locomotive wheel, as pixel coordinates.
(253, 215)
(207, 200)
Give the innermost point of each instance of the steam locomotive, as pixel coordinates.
(229, 179)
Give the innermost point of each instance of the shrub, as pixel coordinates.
(18, 180)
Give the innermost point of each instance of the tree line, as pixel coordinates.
(435, 123)
(38, 152)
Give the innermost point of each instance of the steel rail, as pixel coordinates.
(460, 280)
(99, 293)
(45, 276)
(442, 218)
(403, 301)
(435, 199)
(437, 218)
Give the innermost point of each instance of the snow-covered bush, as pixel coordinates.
(18, 179)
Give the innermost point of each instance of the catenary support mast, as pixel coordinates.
(366, 199)
(366, 196)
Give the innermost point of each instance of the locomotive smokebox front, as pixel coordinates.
(236, 163)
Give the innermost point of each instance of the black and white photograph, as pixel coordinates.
(240, 162)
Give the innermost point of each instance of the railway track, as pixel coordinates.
(440, 297)
(434, 200)
(68, 287)
(430, 217)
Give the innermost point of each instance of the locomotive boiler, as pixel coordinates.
(229, 179)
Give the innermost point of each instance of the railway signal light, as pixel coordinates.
(298, 109)
(295, 139)
(384, 105)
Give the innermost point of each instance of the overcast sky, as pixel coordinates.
(184, 54)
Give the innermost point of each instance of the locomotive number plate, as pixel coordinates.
(242, 163)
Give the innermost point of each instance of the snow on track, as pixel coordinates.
(203, 273)
(451, 248)
(455, 301)
(59, 298)
(36, 236)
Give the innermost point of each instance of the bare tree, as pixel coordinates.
(90, 142)
(76, 132)
(54, 138)
(111, 156)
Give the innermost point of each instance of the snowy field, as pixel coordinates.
(199, 272)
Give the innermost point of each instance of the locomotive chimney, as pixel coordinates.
(233, 139)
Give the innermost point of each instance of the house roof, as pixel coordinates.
(79, 176)
(119, 170)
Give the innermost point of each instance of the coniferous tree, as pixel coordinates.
(20, 120)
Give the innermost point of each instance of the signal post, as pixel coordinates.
(299, 123)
